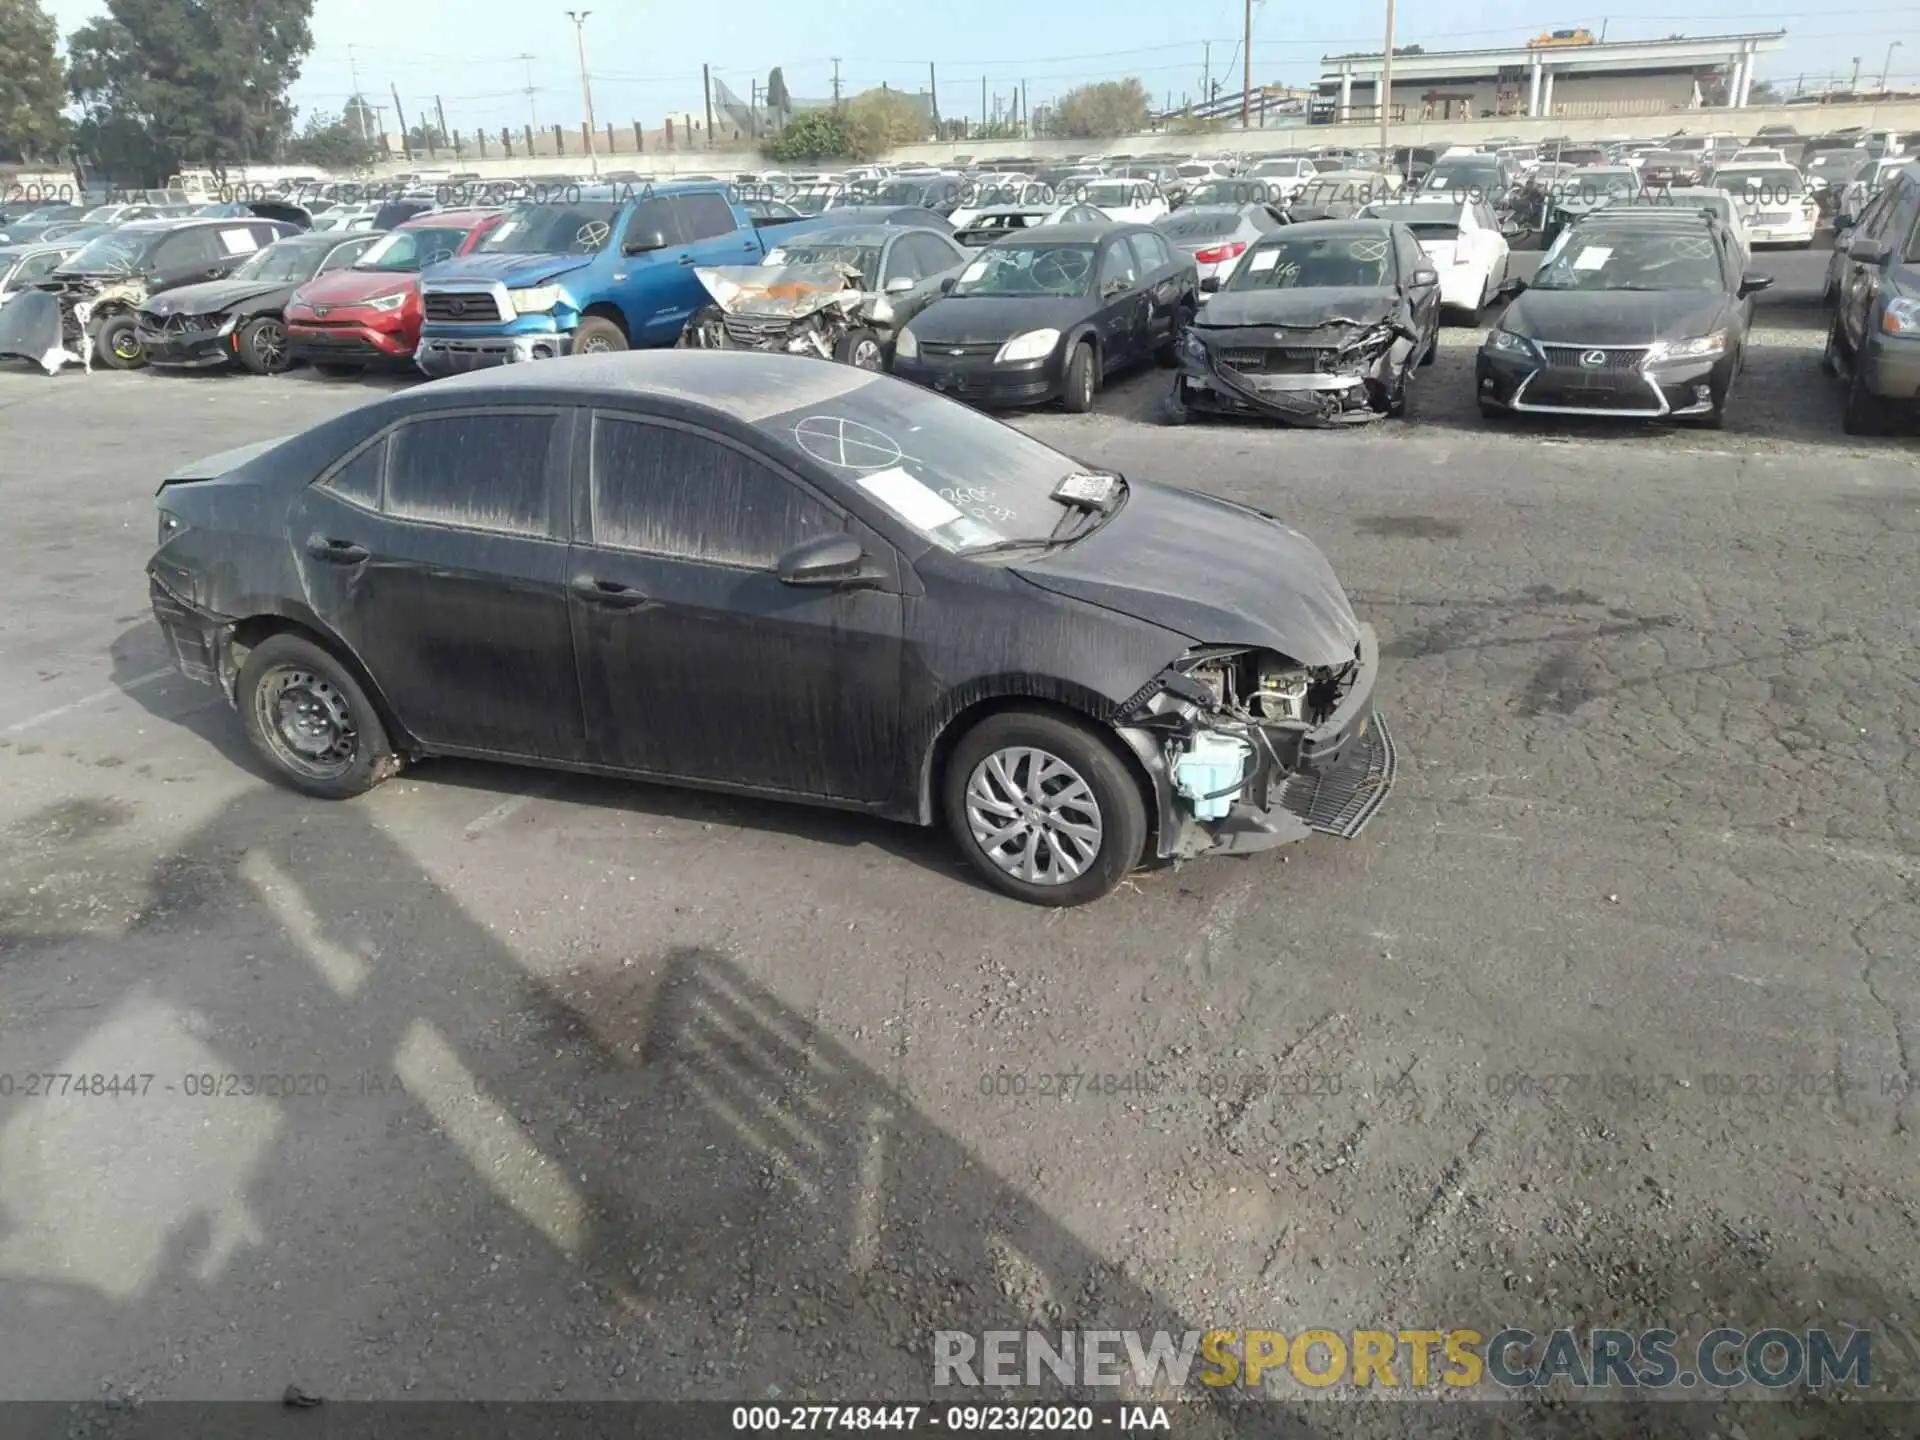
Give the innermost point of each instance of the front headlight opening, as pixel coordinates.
(1698, 348)
(535, 301)
(1901, 317)
(906, 346)
(1034, 345)
(385, 302)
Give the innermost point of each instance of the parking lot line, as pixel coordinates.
(138, 682)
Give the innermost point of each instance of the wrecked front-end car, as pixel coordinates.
(1317, 330)
(63, 320)
(822, 310)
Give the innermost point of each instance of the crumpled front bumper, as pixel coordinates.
(1332, 779)
(1322, 400)
(439, 355)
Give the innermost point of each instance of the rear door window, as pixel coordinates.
(359, 480)
(703, 216)
(651, 217)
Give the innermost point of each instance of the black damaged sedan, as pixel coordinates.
(806, 582)
(1635, 314)
(240, 318)
(1319, 325)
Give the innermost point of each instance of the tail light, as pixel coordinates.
(1214, 254)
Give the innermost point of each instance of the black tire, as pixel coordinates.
(1168, 355)
(1433, 348)
(1830, 356)
(337, 370)
(597, 335)
(1120, 806)
(1491, 411)
(1083, 379)
(117, 345)
(287, 670)
(1865, 413)
(862, 350)
(263, 345)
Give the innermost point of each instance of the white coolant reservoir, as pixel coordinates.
(1211, 773)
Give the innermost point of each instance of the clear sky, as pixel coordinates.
(645, 59)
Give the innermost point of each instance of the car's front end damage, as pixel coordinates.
(56, 323)
(1344, 369)
(787, 309)
(1248, 749)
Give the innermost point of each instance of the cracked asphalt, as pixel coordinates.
(589, 1090)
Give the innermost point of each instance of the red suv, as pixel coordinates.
(369, 313)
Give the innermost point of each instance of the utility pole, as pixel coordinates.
(1026, 112)
(1853, 85)
(1206, 71)
(706, 84)
(983, 105)
(532, 120)
(579, 18)
(353, 69)
(1386, 84)
(1886, 70)
(933, 98)
(1246, 64)
(441, 111)
(400, 119)
(836, 82)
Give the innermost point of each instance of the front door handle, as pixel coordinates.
(336, 552)
(610, 594)
(686, 259)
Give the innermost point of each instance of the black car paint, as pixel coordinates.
(210, 301)
(519, 649)
(1125, 327)
(1262, 318)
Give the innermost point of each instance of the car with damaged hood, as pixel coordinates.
(988, 226)
(800, 582)
(368, 315)
(241, 320)
(1320, 325)
(832, 294)
(1641, 314)
(1048, 314)
(89, 304)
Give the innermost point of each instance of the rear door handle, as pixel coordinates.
(610, 594)
(336, 552)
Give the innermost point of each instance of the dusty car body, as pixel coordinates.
(1320, 325)
(725, 571)
(833, 294)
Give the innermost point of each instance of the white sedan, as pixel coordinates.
(1462, 238)
(1136, 202)
(1773, 201)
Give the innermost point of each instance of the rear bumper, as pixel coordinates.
(198, 640)
(441, 355)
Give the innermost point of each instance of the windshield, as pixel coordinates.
(104, 212)
(1029, 269)
(1597, 184)
(1341, 198)
(1625, 260)
(946, 471)
(814, 199)
(1773, 184)
(290, 261)
(1482, 178)
(864, 258)
(113, 253)
(579, 229)
(407, 251)
(1837, 162)
(1318, 262)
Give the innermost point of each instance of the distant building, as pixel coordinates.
(1571, 75)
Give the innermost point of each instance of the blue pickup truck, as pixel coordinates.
(581, 271)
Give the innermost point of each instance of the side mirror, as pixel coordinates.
(645, 243)
(1866, 250)
(1751, 284)
(1211, 284)
(1425, 276)
(946, 285)
(1841, 222)
(829, 561)
(1119, 285)
(900, 284)
(1510, 289)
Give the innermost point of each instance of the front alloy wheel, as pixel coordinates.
(1034, 816)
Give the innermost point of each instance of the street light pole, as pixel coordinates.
(1386, 83)
(1886, 70)
(1246, 65)
(579, 18)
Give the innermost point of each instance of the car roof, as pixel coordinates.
(443, 219)
(862, 234)
(34, 247)
(1079, 231)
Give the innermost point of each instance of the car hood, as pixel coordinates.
(513, 271)
(214, 296)
(977, 319)
(350, 287)
(1228, 309)
(1615, 317)
(1213, 571)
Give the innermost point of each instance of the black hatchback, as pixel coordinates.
(808, 582)
(1048, 313)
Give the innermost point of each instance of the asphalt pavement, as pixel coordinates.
(500, 1084)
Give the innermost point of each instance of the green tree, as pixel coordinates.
(33, 84)
(361, 118)
(816, 135)
(422, 138)
(1102, 111)
(331, 143)
(170, 82)
(878, 120)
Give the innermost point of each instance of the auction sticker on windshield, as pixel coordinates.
(1264, 260)
(974, 271)
(238, 242)
(906, 497)
(1594, 257)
